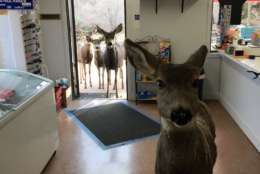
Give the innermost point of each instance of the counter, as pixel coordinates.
(239, 93)
(248, 64)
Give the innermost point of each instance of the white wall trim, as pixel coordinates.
(209, 22)
(12, 45)
(11, 40)
(65, 38)
(133, 32)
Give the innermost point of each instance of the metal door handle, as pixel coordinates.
(255, 74)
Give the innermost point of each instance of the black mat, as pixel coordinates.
(116, 123)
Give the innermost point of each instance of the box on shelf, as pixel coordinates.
(165, 51)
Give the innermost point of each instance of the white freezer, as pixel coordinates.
(28, 123)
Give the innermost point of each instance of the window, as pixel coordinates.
(250, 21)
(251, 13)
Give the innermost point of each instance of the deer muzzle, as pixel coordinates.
(181, 116)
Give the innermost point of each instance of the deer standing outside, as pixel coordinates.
(111, 59)
(85, 58)
(99, 61)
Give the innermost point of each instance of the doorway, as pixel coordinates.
(88, 46)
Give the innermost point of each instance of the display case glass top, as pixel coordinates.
(16, 88)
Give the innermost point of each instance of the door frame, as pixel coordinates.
(72, 43)
(76, 92)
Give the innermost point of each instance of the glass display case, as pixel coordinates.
(28, 122)
(16, 88)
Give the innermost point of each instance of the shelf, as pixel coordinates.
(146, 87)
(139, 81)
(156, 6)
(147, 99)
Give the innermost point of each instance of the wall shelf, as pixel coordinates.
(182, 6)
(145, 81)
(145, 86)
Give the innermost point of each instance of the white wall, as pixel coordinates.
(212, 81)
(54, 39)
(12, 55)
(187, 30)
(133, 32)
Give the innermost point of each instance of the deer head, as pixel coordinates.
(88, 38)
(177, 97)
(110, 36)
(97, 42)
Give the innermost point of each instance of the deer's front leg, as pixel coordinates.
(116, 83)
(108, 81)
(109, 74)
(89, 72)
(122, 77)
(84, 72)
(99, 79)
(103, 77)
(80, 73)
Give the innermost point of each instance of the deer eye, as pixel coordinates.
(160, 84)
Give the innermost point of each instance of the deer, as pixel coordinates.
(80, 42)
(187, 138)
(99, 61)
(111, 58)
(85, 58)
(80, 63)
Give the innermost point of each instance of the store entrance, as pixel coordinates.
(98, 63)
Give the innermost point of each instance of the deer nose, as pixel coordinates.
(109, 44)
(181, 116)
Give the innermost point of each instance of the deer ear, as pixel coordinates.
(100, 30)
(141, 59)
(198, 58)
(118, 29)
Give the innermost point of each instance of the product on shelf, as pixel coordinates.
(139, 76)
(165, 51)
(146, 95)
(256, 38)
(31, 35)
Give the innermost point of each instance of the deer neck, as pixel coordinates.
(109, 47)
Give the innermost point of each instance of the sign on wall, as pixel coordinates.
(16, 4)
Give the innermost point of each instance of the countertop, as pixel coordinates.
(248, 64)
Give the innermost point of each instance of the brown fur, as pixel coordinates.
(99, 62)
(85, 58)
(182, 149)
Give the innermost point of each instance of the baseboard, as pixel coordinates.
(240, 123)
